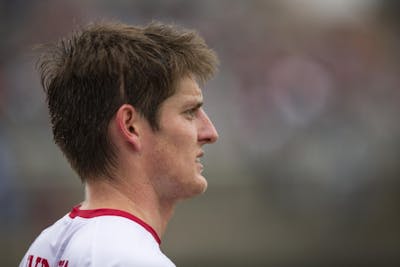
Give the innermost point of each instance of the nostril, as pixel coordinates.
(212, 135)
(215, 137)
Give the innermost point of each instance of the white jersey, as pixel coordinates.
(99, 238)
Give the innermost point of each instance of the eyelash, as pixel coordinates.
(191, 112)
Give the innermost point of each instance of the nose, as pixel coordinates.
(207, 132)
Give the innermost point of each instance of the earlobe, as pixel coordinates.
(126, 119)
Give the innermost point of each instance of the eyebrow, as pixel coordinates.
(198, 105)
(194, 104)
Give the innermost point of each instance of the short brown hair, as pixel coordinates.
(88, 76)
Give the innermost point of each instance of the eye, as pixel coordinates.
(191, 113)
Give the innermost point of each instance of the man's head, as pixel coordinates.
(89, 76)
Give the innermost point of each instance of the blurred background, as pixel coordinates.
(306, 171)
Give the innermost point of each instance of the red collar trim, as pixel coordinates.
(76, 212)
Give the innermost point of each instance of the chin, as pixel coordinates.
(198, 187)
(201, 185)
(205, 185)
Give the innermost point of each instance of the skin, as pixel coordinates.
(156, 169)
(175, 150)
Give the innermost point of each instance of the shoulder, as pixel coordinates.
(116, 241)
(114, 229)
(100, 241)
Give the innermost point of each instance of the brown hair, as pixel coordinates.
(88, 76)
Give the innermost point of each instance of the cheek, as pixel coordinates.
(181, 141)
(166, 157)
(175, 157)
(176, 147)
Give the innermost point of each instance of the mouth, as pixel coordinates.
(198, 160)
(199, 156)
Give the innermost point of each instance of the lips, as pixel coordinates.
(198, 160)
(199, 156)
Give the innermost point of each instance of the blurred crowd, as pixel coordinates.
(306, 103)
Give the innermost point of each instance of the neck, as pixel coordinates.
(139, 200)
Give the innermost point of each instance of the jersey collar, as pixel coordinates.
(77, 212)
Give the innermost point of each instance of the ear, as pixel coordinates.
(127, 120)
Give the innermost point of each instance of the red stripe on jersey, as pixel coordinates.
(76, 212)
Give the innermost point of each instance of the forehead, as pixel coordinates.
(187, 90)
